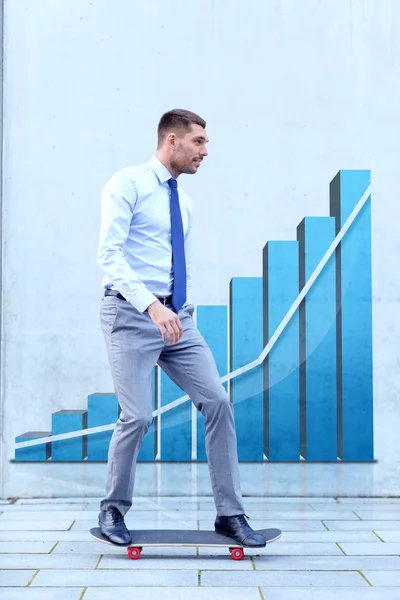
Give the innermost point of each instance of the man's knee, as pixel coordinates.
(145, 422)
(217, 402)
(140, 422)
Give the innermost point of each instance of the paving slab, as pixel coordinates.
(174, 593)
(298, 579)
(36, 525)
(22, 508)
(331, 593)
(383, 578)
(48, 561)
(359, 506)
(326, 563)
(31, 547)
(15, 577)
(301, 549)
(329, 536)
(43, 536)
(387, 535)
(334, 525)
(378, 514)
(281, 548)
(366, 549)
(88, 547)
(29, 593)
(124, 578)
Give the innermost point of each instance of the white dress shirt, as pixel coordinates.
(135, 250)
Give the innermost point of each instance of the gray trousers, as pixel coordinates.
(135, 346)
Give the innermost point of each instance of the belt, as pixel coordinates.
(163, 299)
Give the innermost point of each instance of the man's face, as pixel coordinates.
(190, 149)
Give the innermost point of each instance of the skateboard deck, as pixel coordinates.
(184, 537)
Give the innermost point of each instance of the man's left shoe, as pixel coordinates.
(238, 528)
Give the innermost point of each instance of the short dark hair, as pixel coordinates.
(177, 118)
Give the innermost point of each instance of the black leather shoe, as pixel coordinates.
(238, 528)
(113, 527)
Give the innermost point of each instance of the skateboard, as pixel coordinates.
(184, 537)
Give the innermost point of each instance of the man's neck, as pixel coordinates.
(167, 164)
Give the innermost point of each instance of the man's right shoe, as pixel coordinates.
(112, 526)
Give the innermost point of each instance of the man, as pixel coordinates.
(146, 317)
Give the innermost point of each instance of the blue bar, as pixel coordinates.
(102, 410)
(42, 452)
(318, 405)
(176, 424)
(148, 449)
(354, 318)
(212, 322)
(246, 344)
(66, 421)
(281, 367)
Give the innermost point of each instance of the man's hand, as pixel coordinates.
(167, 321)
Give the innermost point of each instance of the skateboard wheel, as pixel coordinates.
(134, 553)
(237, 553)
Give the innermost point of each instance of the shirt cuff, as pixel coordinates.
(142, 300)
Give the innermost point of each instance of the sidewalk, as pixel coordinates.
(346, 547)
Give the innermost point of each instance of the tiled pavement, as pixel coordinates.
(346, 546)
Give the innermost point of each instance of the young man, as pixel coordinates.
(146, 317)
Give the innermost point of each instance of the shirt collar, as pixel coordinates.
(160, 170)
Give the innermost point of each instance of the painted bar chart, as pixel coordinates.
(298, 347)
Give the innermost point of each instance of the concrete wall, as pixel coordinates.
(292, 92)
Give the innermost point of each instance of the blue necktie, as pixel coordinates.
(178, 249)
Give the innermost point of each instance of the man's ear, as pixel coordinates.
(171, 140)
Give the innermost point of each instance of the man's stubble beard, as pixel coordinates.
(180, 167)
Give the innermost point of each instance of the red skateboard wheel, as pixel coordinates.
(134, 553)
(237, 553)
